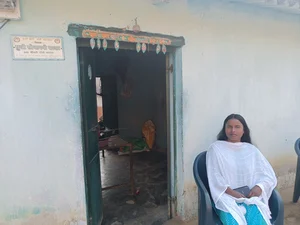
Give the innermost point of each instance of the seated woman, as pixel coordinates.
(233, 163)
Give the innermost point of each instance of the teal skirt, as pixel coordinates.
(252, 216)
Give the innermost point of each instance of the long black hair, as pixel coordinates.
(246, 136)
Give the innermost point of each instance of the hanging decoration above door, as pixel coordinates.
(141, 41)
(98, 43)
(138, 47)
(104, 34)
(158, 49)
(104, 43)
(99, 36)
(164, 49)
(144, 47)
(133, 38)
(117, 45)
(92, 43)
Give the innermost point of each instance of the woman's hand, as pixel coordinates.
(234, 193)
(237, 195)
(255, 192)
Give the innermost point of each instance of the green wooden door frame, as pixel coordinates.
(175, 130)
(91, 160)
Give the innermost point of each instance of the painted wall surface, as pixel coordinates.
(238, 58)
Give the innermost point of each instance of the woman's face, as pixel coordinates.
(234, 130)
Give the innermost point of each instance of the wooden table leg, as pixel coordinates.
(131, 171)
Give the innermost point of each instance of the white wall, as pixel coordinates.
(237, 58)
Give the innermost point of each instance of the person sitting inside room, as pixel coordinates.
(240, 178)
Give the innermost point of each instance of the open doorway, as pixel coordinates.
(125, 99)
(133, 91)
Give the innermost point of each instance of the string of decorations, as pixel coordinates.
(97, 42)
(139, 46)
(141, 41)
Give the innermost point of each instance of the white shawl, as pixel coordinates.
(235, 165)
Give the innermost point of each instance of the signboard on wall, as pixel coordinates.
(37, 48)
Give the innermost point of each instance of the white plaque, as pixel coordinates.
(37, 48)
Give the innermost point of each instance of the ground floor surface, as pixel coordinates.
(291, 211)
(149, 207)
